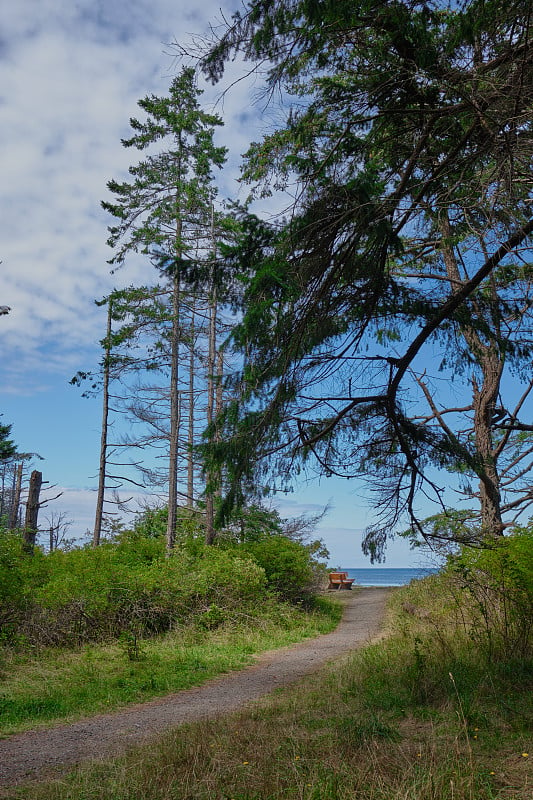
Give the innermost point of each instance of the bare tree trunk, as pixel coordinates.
(2, 491)
(211, 388)
(174, 419)
(103, 439)
(13, 520)
(32, 511)
(190, 436)
(219, 403)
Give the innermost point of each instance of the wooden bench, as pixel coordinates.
(340, 580)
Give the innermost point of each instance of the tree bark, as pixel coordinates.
(32, 511)
(174, 419)
(190, 437)
(218, 406)
(103, 438)
(13, 519)
(211, 390)
(484, 398)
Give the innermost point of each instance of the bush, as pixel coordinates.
(90, 594)
(129, 587)
(289, 566)
(19, 575)
(497, 584)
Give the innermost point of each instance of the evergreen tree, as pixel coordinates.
(7, 446)
(163, 212)
(408, 150)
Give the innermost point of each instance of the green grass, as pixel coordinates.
(385, 723)
(59, 685)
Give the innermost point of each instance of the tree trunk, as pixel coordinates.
(103, 439)
(13, 519)
(489, 479)
(490, 362)
(2, 491)
(32, 511)
(211, 389)
(218, 406)
(190, 437)
(174, 420)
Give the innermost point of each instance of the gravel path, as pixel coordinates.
(24, 756)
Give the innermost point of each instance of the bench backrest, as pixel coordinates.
(338, 576)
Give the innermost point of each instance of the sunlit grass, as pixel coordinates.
(390, 722)
(65, 684)
(309, 743)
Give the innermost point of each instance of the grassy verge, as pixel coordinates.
(418, 716)
(61, 684)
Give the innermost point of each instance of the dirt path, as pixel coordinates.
(24, 756)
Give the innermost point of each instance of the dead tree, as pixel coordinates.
(32, 511)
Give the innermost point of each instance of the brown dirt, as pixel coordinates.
(42, 753)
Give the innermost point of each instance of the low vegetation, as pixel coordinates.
(92, 629)
(67, 684)
(440, 709)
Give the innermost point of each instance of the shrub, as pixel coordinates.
(497, 582)
(289, 566)
(90, 594)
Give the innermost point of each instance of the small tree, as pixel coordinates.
(7, 446)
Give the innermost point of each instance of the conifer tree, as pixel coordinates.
(163, 212)
(406, 154)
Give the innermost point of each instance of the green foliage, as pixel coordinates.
(446, 531)
(362, 728)
(90, 594)
(152, 524)
(253, 522)
(128, 587)
(54, 684)
(289, 567)
(498, 583)
(7, 446)
(293, 566)
(405, 238)
(164, 209)
(13, 582)
(463, 636)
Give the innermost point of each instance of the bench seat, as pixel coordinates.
(340, 580)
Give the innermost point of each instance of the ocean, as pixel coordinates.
(387, 576)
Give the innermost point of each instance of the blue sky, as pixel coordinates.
(71, 75)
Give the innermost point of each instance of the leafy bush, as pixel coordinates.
(497, 583)
(465, 633)
(290, 569)
(129, 587)
(19, 574)
(89, 594)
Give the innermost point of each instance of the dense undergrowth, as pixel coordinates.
(92, 629)
(128, 587)
(440, 709)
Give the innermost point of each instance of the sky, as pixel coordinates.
(72, 72)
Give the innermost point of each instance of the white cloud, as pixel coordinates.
(72, 75)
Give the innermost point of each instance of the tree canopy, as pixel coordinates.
(8, 448)
(406, 154)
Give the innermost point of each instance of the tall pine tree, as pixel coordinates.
(164, 213)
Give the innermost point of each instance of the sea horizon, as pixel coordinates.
(387, 576)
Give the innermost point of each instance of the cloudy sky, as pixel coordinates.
(71, 74)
